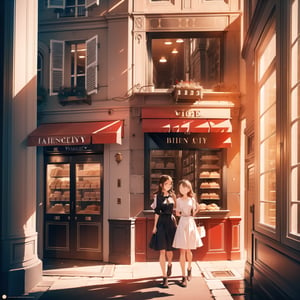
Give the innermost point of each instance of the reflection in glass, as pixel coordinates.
(88, 188)
(58, 189)
(194, 59)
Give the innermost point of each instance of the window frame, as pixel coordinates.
(260, 81)
(290, 238)
(183, 35)
(91, 65)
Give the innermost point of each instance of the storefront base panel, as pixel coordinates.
(275, 270)
(121, 241)
(220, 243)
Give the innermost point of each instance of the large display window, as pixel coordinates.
(203, 167)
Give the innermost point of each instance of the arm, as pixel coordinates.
(155, 223)
(196, 207)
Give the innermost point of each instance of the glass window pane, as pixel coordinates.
(268, 123)
(88, 183)
(58, 189)
(267, 56)
(295, 143)
(295, 104)
(267, 93)
(268, 214)
(186, 59)
(295, 216)
(268, 154)
(267, 137)
(295, 181)
(294, 108)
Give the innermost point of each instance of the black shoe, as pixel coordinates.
(183, 282)
(169, 270)
(189, 274)
(165, 282)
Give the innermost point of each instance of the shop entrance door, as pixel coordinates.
(73, 207)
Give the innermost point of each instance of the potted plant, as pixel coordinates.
(73, 94)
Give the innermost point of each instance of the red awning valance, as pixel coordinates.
(186, 125)
(83, 133)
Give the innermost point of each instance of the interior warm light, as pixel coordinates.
(168, 43)
(174, 51)
(163, 59)
(81, 56)
(179, 41)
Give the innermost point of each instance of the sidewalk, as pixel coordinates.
(138, 281)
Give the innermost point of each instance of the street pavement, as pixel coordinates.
(141, 280)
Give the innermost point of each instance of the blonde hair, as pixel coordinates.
(186, 183)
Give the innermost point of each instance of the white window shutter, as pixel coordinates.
(89, 3)
(56, 3)
(91, 78)
(57, 55)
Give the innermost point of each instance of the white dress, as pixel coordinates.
(187, 235)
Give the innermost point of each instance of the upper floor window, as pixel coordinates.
(39, 70)
(294, 125)
(266, 80)
(74, 65)
(72, 8)
(188, 57)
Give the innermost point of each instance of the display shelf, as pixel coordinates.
(210, 179)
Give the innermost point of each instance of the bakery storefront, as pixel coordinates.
(191, 143)
(73, 194)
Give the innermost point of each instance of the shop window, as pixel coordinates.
(203, 168)
(294, 126)
(39, 70)
(267, 129)
(193, 58)
(74, 65)
(71, 8)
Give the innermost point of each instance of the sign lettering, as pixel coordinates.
(198, 140)
(62, 140)
(189, 113)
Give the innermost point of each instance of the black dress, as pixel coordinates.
(166, 224)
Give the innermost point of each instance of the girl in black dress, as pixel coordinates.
(164, 226)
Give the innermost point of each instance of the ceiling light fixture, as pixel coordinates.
(168, 43)
(174, 51)
(163, 60)
(179, 41)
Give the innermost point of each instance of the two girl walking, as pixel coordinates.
(168, 235)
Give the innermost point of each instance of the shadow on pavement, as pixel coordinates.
(148, 288)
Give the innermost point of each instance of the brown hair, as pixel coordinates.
(162, 180)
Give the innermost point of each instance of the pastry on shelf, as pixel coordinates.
(214, 174)
(204, 196)
(214, 196)
(204, 174)
(205, 185)
(214, 185)
(212, 206)
(202, 206)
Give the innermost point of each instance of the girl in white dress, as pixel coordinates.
(187, 237)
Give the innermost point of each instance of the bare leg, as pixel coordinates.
(169, 257)
(162, 261)
(182, 261)
(189, 256)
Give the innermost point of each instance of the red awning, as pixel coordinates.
(186, 125)
(84, 133)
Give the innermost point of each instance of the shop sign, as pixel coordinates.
(63, 140)
(191, 140)
(187, 112)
